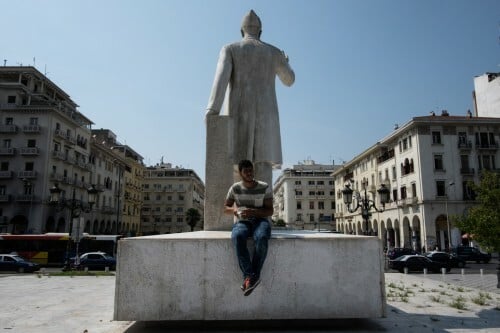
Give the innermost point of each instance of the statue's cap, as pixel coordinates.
(251, 20)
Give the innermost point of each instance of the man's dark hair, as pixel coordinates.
(244, 164)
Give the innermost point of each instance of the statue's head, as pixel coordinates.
(251, 25)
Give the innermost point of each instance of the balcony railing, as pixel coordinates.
(467, 171)
(4, 197)
(7, 151)
(59, 155)
(11, 128)
(26, 174)
(5, 174)
(56, 177)
(25, 198)
(107, 210)
(487, 146)
(31, 128)
(464, 145)
(29, 151)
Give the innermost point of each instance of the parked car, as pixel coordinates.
(95, 260)
(416, 262)
(469, 253)
(447, 258)
(399, 251)
(14, 262)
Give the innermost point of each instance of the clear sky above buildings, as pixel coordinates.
(144, 69)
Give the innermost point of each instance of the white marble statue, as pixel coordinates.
(249, 68)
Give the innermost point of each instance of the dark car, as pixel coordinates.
(95, 260)
(399, 251)
(469, 253)
(14, 262)
(416, 262)
(446, 258)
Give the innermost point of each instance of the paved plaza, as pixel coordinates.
(35, 303)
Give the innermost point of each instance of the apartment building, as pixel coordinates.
(168, 193)
(427, 164)
(304, 196)
(44, 141)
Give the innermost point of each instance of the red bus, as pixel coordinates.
(50, 249)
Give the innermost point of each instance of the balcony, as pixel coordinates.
(467, 145)
(11, 128)
(5, 174)
(407, 202)
(29, 151)
(467, 171)
(60, 134)
(7, 151)
(56, 177)
(31, 128)
(25, 198)
(4, 197)
(487, 146)
(107, 210)
(59, 155)
(26, 174)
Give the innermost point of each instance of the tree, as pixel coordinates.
(192, 217)
(482, 221)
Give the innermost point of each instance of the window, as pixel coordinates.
(33, 121)
(31, 143)
(29, 166)
(299, 217)
(414, 190)
(180, 219)
(321, 205)
(11, 99)
(469, 193)
(311, 182)
(462, 138)
(2, 189)
(436, 138)
(7, 143)
(320, 182)
(311, 204)
(395, 195)
(4, 166)
(298, 192)
(298, 182)
(9, 121)
(403, 192)
(330, 182)
(405, 144)
(438, 162)
(181, 197)
(158, 197)
(333, 205)
(299, 205)
(311, 217)
(486, 162)
(321, 193)
(464, 162)
(312, 193)
(440, 188)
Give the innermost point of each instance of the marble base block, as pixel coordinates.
(195, 276)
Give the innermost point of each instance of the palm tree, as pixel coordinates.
(192, 217)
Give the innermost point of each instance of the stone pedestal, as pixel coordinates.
(218, 173)
(195, 276)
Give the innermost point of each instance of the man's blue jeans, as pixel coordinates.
(260, 231)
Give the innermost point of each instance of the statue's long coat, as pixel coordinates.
(250, 67)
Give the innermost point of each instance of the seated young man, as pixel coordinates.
(251, 202)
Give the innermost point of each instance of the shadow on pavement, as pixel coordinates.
(329, 325)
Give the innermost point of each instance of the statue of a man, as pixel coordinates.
(250, 67)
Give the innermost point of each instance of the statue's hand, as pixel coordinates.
(210, 113)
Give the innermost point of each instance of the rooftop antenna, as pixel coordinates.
(45, 70)
(34, 61)
(4, 62)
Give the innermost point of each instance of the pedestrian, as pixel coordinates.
(251, 203)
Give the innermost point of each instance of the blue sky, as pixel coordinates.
(144, 69)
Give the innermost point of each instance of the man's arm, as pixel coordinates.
(221, 80)
(230, 208)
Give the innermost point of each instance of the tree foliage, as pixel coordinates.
(482, 221)
(192, 217)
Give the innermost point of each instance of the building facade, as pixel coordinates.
(304, 197)
(427, 165)
(44, 141)
(168, 193)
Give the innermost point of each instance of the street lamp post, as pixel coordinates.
(447, 218)
(363, 202)
(75, 210)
